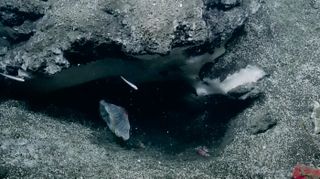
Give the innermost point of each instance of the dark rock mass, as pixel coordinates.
(48, 36)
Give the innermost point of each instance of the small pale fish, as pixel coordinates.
(13, 77)
(116, 118)
(129, 83)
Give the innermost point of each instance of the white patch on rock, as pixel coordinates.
(316, 117)
(250, 74)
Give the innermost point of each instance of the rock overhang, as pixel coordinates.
(143, 27)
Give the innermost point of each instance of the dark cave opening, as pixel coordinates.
(164, 114)
(83, 51)
(167, 112)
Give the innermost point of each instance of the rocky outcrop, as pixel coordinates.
(48, 36)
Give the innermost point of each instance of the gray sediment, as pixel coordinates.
(282, 37)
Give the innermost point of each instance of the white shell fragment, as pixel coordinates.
(116, 118)
(316, 117)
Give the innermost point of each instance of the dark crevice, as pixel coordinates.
(207, 47)
(11, 16)
(237, 33)
(20, 37)
(224, 7)
(111, 11)
(84, 51)
(17, 35)
(217, 4)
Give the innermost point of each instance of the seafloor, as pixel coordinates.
(283, 38)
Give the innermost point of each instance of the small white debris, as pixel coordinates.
(129, 83)
(13, 77)
(264, 147)
(316, 117)
(201, 91)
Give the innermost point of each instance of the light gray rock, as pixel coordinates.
(315, 4)
(261, 122)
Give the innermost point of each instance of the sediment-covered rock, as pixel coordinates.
(48, 36)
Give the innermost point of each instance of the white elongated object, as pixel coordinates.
(13, 77)
(316, 117)
(116, 118)
(129, 83)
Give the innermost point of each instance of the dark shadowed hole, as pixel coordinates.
(12, 16)
(12, 36)
(161, 114)
(83, 51)
(19, 37)
(221, 6)
(4, 171)
(238, 32)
